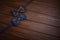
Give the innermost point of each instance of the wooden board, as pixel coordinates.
(46, 19)
(38, 27)
(43, 22)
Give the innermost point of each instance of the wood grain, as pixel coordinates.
(37, 27)
(46, 18)
(43, 20)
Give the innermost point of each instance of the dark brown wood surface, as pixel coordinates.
(43, 20)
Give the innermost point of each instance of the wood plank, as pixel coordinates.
(21, 32)
(48, 1)
(42, 18)
(38, 27)
(28, 34)
(6, 36)
(34, 26)
(35, 3)
(44, 8)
